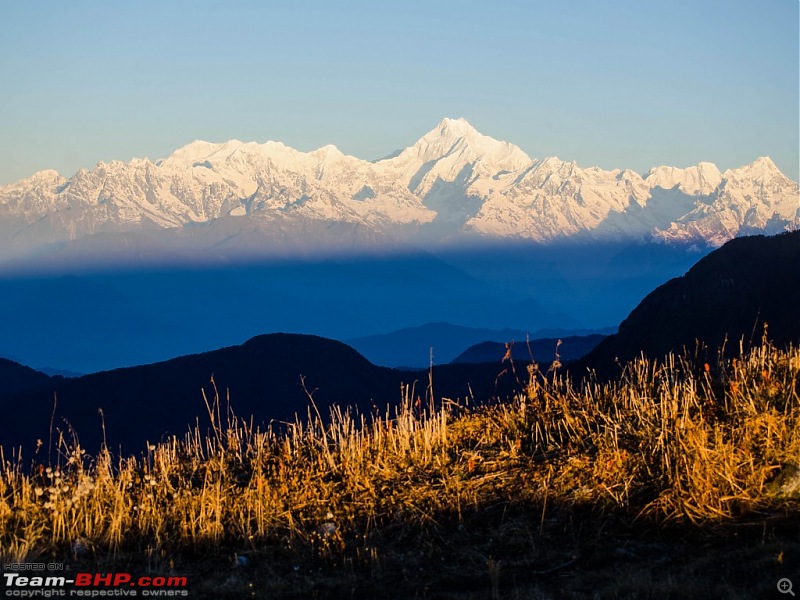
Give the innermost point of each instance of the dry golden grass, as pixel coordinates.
(666, 444)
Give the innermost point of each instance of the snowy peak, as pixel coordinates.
(330, 154)
(552, 165)
(454, 181)
(699, 180)
(48, 177)
(200, 151)
(755, 198)
(761, 169)
(328, 150)
(459, 137)
(454, 152)
(250, 156)
(454, 128)
(450, 132)
(764, 162)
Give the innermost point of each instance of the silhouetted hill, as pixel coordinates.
(410, 347)
(261, 376)
(729, 294)
(18, 379)
(541, 350)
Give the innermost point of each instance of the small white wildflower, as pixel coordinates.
(38, 491)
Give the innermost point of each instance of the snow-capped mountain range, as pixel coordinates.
(451, 184)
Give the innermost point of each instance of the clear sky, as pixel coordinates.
(614, 83)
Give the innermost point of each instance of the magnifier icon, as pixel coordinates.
(785, 586)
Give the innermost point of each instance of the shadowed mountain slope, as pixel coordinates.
(730, 294)
(18, 379)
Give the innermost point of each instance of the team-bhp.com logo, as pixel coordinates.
(93, 585)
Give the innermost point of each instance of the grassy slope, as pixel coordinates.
(663, 483)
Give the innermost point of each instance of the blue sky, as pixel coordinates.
(609, 83)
